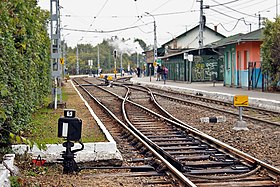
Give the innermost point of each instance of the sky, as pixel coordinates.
(91, 21)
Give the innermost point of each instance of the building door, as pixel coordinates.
(239, 69)
(232, 69)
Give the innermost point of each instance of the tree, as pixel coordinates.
(271, 51)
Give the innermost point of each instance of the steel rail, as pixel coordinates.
(182, 125)
(209, 107)
(179, 174)
(218, 101)
(220, 110)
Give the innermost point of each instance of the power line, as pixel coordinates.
(221, 4)
(160, 6)
(224, 14)
(233, 9)
(109, 31)
(232, 28)
(99, 12)
(250, 1)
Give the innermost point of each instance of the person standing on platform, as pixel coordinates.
(158, 72)
(164, 73)
(138, 71)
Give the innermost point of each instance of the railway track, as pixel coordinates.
(252, 113)
(135, 166)
(194, 155)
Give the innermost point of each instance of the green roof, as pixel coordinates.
(256, 35)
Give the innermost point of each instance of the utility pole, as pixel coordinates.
(115, 63)
(64, 58)
(77, 61)
(260, 21)
(56, 61)
(200, 35)
(121, 65)
(98, 60)
(276, 8)
(155, 42)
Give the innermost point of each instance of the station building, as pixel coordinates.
(235, 60)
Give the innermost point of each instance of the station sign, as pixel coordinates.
(240, 100)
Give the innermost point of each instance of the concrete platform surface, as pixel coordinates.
(256, 98)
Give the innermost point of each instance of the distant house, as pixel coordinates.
(242, 59)
(205, 67)
(189, 40)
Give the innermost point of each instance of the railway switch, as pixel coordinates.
(70, 128)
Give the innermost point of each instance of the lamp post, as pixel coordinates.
(64, 53)
(98, 61)
(77, 58)
(171, 35)
(155, 43)
(276, 8)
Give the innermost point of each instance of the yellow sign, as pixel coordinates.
(240, 100)
(61, 61)
(155, 64)
(110, 78)
(115, 71)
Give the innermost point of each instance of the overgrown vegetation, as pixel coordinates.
(24, 64)
(271, 51)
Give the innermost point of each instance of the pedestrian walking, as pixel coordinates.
(158, 72)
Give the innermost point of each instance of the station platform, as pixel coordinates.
(257, 98)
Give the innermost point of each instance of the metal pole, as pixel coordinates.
(150, 70)
(259, 21)
(240, 113)
(56, 66)
(137, 59)
(98, 60)
(190, 71)
(115, 63)
(121, 65)
(200, 36)
(155, 44)
(276, 8)
(155, 40)
(65, 58)
(77, 63)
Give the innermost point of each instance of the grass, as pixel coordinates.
(45, 123)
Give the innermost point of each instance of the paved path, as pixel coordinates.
(257, 98)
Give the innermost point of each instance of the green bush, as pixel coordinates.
(24, 63)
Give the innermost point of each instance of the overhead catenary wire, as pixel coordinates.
(234, 9)
(160, 6)
(238, 20)
(108, 31)
(254, 15)
(98, 13)
(243, 7)
(221, 4)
